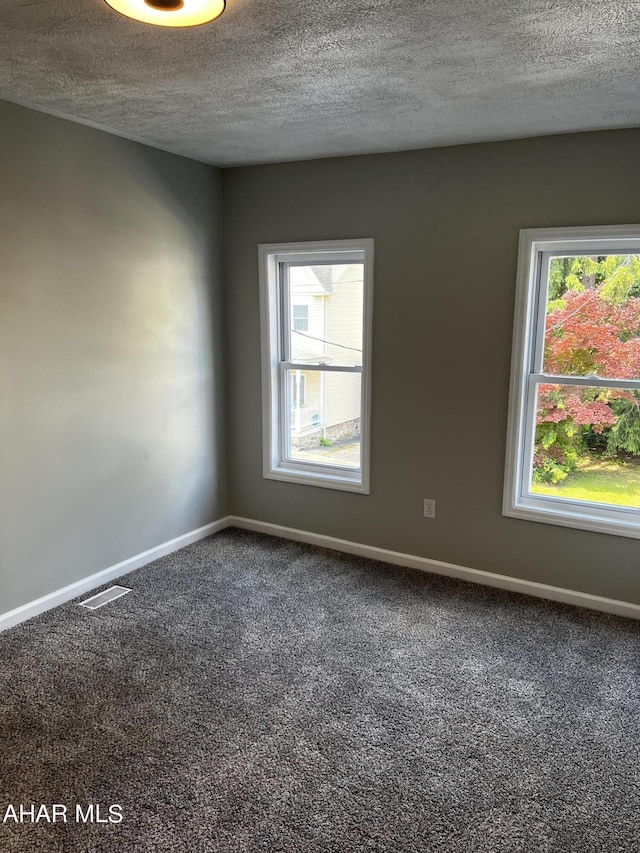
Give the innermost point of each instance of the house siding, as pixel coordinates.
(342, 394)
(344, 326)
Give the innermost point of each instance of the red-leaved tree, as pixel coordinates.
(586, 334)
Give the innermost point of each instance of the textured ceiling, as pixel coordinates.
(291, 79)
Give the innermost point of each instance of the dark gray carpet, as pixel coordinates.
(253, 694)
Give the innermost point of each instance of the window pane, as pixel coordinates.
(324, 417)
(593, 317)
(301, 318)
(326, 313)
(587, 444)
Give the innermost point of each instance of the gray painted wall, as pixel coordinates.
(446, 227)
(111, 355)
(112, 395)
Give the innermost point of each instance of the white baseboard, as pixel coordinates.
(450, 570)
(538, 590)
(60, 596)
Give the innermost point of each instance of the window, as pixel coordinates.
(301, 318)
(316, 309)
(573, 448)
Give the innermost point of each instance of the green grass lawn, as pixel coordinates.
(605, 481)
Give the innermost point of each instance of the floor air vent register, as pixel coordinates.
(105, 597)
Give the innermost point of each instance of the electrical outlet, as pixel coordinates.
(429, 508)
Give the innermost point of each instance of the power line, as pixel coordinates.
(322, 340)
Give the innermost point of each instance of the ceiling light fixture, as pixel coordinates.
(170, 13)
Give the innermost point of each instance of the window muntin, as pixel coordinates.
(573, 454)
(317, 379)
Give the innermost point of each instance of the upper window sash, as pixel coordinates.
(323, 344)
(542, 265)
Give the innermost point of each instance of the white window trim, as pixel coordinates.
(518, 501)
(274, 467)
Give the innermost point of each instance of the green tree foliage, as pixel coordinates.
(624, 435)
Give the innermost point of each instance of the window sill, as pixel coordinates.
(343, 483)
(582, 516)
